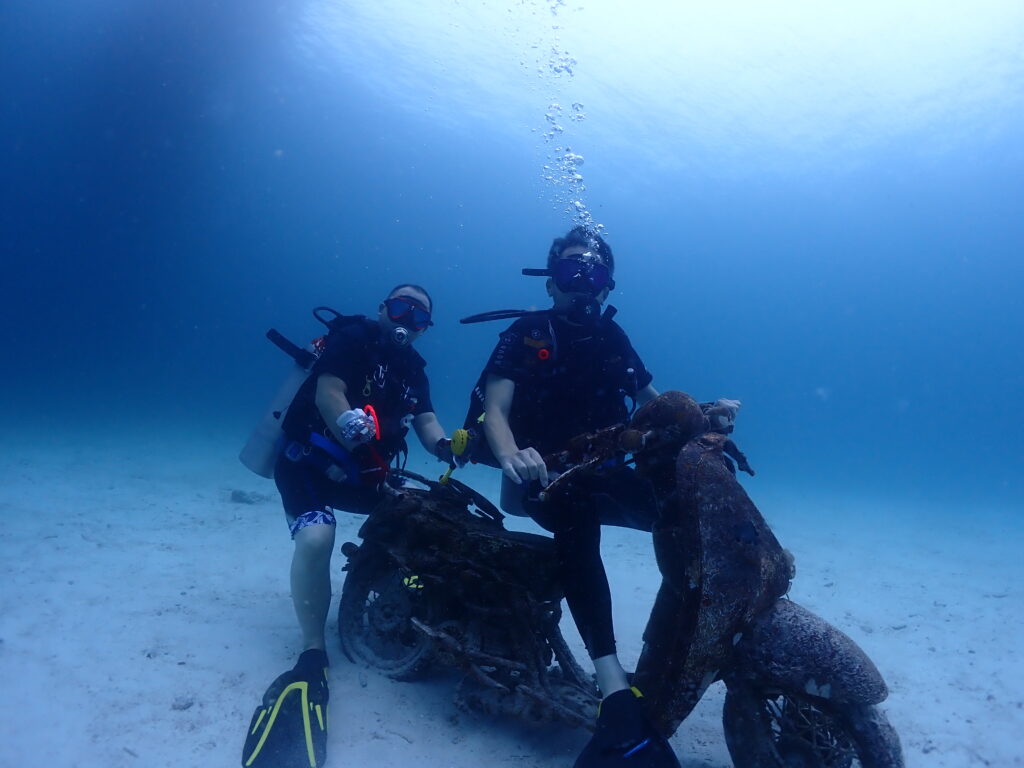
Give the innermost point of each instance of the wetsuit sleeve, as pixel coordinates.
(641, 377)
(345, 357)
(421, 385)
(506, 359)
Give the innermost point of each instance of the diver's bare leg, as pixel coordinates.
(611, 677)
(311, 582)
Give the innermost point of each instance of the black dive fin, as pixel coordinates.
(289, 728)
(624, 738)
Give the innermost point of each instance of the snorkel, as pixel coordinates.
(582, 309)
(579, 270)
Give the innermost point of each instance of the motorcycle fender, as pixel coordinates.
(789, 648)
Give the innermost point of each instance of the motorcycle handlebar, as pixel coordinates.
(588, 451)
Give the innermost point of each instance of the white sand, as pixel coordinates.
(144, 613)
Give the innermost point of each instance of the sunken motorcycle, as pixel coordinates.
(439, 578)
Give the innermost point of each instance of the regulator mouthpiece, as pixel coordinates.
(400, 336)
(583, 310)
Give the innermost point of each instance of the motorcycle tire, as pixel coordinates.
(377, 603)
(773, 729)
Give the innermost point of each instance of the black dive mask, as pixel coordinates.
(573, 275)
(577, 275)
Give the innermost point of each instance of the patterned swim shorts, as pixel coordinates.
(313, 517)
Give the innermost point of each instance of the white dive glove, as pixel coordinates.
(356, 427)
(722, 415)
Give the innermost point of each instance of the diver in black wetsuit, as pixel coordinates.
(554, 375)
(346, 423)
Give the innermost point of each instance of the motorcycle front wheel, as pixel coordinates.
(773, 729)
(374, 619)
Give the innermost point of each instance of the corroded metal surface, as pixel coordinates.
(802, 652)
(494, 600)
(721, 565)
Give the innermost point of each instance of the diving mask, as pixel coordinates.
(576, 275)
(409, 312)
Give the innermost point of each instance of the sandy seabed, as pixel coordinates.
(144, 612)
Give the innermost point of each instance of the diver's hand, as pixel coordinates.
(524, 464)
(336, 473)
(443, 451)
(355, 428)
(722, 415)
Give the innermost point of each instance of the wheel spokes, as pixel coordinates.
(807, 735)
(387, 631)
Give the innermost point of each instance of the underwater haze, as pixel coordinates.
(818, 212)
(815, 208)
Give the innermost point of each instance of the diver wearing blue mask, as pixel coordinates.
(556, 374)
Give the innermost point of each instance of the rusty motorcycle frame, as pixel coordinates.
(439, 580)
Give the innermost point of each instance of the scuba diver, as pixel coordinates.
(556, 374)
(365, 389)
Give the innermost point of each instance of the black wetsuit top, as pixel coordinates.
(569, 379)
(391, 379)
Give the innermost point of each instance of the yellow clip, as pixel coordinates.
(460, 441)
(412, 582)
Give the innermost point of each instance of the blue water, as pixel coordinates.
(179, 177)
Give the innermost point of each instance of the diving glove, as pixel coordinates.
(624, 737)
(721, 415)
(356, 427)
(289, 728)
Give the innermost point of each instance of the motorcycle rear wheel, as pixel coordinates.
(772, 729)
(377, 603)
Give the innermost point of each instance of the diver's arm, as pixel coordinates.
(497, 404)
(332, 401)
(517, 464)
(645, 394)
(428, 430)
